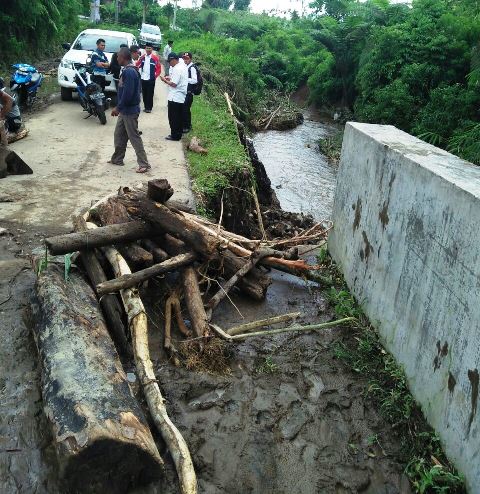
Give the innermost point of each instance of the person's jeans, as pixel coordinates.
(175, 119)
(127, 130)
(148, 90)
(187, 113)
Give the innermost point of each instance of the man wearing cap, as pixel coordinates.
(150, 68)
(166, 51)
(177, 91)
(192, 82)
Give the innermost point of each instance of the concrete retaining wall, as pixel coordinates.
(407, 237)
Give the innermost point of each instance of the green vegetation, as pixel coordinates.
(36, 28)
(268, 366)
(226, 157)
(425, 463)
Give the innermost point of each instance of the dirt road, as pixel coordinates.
(69, 155)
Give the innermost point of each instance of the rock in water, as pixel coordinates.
(101, 437)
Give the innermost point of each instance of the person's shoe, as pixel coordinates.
(186, 131)
(115, 163)
(170, 138)
(143, 169)
(147, 111)
(140, 132)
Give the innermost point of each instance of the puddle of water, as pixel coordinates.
(301, 176)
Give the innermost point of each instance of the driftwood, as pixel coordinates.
(250, 326)
(159, 190)
(193, 299)
(106, 235)
(226, 287)
(134, 279)
(138, 325)
(112, 212)
(196, 147)
(110, 305)
(101, 437)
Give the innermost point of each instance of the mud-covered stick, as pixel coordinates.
(310, 327)
(249, 326)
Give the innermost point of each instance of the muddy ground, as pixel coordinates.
(288, 418)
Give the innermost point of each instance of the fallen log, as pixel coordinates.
(100, 434)
(163, 220)
(134, 279)
(193, 300)
(138, 326)
(112, 212)
(106, 235)
(110, 305)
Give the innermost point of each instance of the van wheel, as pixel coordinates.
(66, 94)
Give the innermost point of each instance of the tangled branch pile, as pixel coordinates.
(143, 234)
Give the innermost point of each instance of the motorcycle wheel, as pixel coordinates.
(102, 117)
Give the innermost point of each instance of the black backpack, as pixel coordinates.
(196, 89)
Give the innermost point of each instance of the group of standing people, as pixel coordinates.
(135, 74)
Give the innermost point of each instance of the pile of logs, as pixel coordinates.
(144, 234)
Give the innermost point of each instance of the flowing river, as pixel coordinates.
(301, 176)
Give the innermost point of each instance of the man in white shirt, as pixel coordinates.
(166, 51)
(150, 68)
(177, 91)
(192, 74)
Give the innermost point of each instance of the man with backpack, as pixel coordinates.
(127, 111)
(195, 84)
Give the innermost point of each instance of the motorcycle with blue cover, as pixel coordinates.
(24, 84)
(90, 95)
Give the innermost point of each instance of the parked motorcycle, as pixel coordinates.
(90, 95)
(25, 82)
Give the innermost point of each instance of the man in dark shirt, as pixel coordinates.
(127, 111)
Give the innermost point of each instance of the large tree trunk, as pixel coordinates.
(101, 437)
(110, 304)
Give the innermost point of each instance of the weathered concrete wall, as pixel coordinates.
(407, 238)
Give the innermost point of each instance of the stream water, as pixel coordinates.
(301, 176)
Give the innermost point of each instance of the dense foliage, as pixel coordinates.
(36, 27)
(414, 66)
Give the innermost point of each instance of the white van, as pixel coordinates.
(150, 34)
(79, 53)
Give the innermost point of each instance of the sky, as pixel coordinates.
(258, 6)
